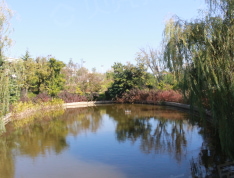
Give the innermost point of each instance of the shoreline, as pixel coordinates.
(6, 119)
(85, 104)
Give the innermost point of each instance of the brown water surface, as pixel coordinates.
(108, 141)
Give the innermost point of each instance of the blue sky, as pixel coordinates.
(100, 32)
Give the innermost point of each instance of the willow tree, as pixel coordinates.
(5, 41)
(201, 53)
(5, 29)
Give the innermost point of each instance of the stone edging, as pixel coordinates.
(85, 104)
(177, 105)
(95, 103)
(186, 106)
(6, 119)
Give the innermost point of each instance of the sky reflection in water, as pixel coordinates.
(103, 141)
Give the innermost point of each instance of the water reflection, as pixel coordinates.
(33, 139)
(155, 130)
(7, 165)
(160, 130)
(211, 155)
(41, 134)
(65, 166)
(81, 120)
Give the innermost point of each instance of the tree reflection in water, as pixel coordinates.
(7, 166)
(158, 130)
(44, 133)
(167, 134)
(211, 155)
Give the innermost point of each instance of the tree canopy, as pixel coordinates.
(126, 77)
(201, 54)
(5, 41)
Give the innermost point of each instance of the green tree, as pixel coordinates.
(16, 79)
(4, 90)
(5, 29)
(10, 83)
(200, 52)
(29, 74)
(56, 79)
(5, 41)
(126, 77)
(26, 56)
(42, 75)
(96, 80)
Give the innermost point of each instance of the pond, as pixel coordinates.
(109, 141)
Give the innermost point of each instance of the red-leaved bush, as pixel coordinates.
(136, 95)
(169, 96)
(42, 97)
(65, 96)
(71, 97)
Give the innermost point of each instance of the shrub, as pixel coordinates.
(24, 99)
(20, 106)
(93, 96)
(28, 107)
(169, 96)
(136, 95)
(42, 97)
(71, 97)
(52, 103)
(101, 97)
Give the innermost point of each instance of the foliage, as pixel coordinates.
(16, 79)
(55, 81)
(71, 77)
(2, 126)
(78, 91)
(80, 80)
(42, 75)
(76, 78)
(5, 29)
(5, 41)
(101, 97)
(35, 104)
(29, 74)
(151, 59)
(71, 97)
(161, 79)
(20, 106)
(95, 81)
(150, 81)
(11, 82)
(4, 91)
(41, 97)
(155, 96)
(168, 81)
(200, 53)
(26, 56)
(169, 96)
(125, 78)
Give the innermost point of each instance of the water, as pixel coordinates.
(109, 141)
